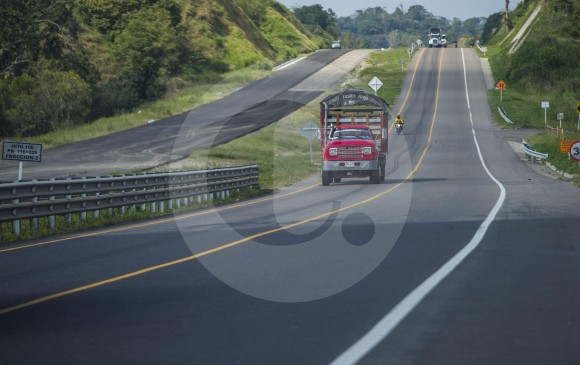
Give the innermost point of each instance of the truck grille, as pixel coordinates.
(352, 152)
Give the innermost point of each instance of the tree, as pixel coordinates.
(44, 98)
(110, 17)
(255, 9)
(492, 24)
(315, 15)
(31, 29)
(146, 49)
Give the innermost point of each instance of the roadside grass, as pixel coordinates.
(280, 151)
(386, 67)
(203, 91)
(523, 108)
(550, 143)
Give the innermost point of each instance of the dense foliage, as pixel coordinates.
(377, 28)
(547, 60)
(67, 62)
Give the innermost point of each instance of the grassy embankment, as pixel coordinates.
(206, 90)
(542, 69)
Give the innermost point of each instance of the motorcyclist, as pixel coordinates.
(400, 121)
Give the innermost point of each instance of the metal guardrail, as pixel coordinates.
(504, 115)
(482, 49)
(532, 154)
(33, 199)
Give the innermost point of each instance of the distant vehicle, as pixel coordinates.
(435, 38)
(336, 45)
(434, 32)
(434, 42)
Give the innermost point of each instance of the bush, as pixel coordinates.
(546, 62)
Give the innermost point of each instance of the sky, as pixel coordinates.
(462, 9)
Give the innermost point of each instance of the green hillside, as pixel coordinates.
(73, 62)
(539, 60)
(543, 56)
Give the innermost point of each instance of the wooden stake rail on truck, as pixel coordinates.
(354, 136)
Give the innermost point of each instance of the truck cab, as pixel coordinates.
(434, 37)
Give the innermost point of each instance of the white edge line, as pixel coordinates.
(288, 64)
(390, 321)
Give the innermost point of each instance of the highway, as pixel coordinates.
(464, 255)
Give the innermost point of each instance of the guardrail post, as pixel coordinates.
(52, 218)
(83, 215)
(97, 212)
(16, 222)
(68, 216)
(123, 207)
(34, 221)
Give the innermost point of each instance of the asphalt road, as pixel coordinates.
(174, 138)
(464, 255)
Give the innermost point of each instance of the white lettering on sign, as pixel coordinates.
(31, 152)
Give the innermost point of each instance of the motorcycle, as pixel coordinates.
(398, 128)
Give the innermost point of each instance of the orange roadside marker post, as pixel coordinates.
(501, 85)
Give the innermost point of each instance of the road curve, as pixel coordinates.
(303, 276)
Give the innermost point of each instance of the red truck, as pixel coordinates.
(354, 136)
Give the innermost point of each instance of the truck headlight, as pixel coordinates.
(332, 151)
(367, 151)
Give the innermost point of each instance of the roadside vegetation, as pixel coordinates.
(377, 28)
(280, 150)
(65, 64)
(543, 68)
(178, 101)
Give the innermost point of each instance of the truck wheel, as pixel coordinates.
(325, 178)
(375, 177)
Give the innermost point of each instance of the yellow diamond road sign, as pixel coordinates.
(577, 108)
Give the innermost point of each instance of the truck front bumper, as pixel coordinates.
(351, 168)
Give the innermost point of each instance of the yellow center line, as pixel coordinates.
(158, 221)
(245, 239)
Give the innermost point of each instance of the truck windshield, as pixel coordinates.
(351, 134)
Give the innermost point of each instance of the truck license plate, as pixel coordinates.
(349, 164)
